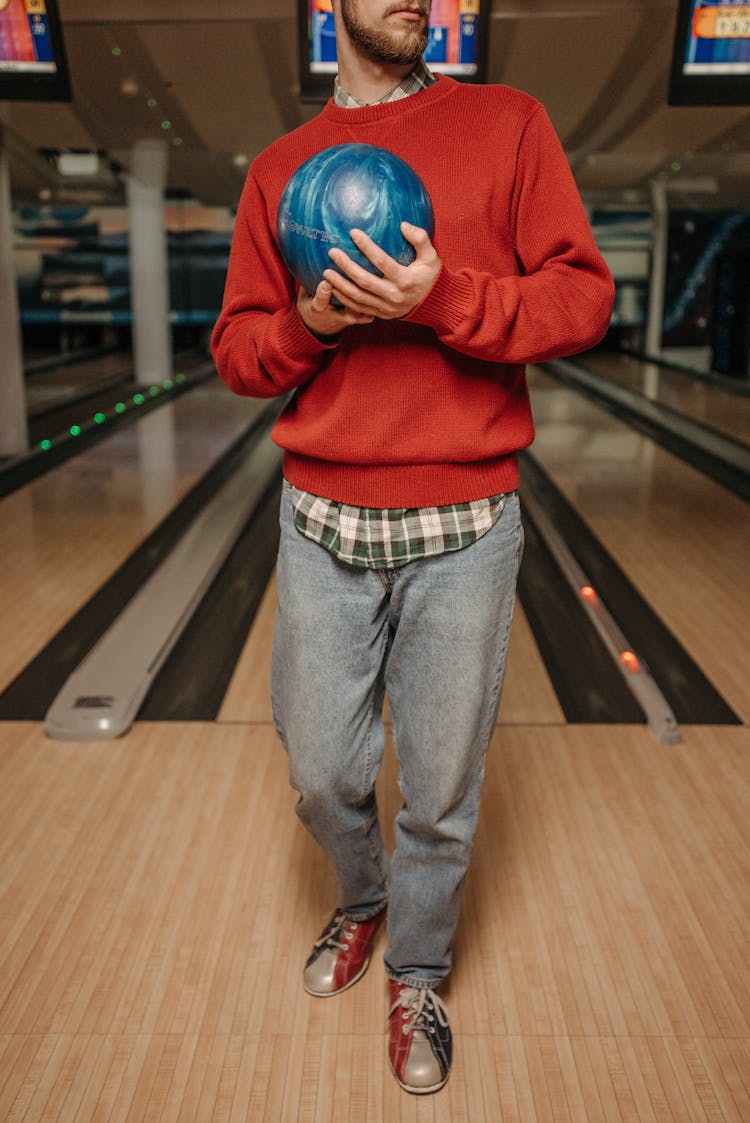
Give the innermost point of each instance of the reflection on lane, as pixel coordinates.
(701, 401)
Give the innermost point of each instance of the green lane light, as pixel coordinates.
(151, 103)
(154, 391)
(177, 141)
(166, 125)
(116, 51)
(99, 418)
(75, 430)
(45, 445)
(138, 399)
(168, 384)
(180, 378)
(120, 407)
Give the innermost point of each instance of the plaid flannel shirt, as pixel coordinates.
(390, 537)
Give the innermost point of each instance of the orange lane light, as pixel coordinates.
(588, 593)
(630, 660)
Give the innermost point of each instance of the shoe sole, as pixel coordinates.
(340, 990)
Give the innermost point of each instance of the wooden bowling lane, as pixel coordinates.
(37, 359)
(682, 539)
(528, 695)
(62, 385)
(159, 899)
(714, 405)
(62, 535)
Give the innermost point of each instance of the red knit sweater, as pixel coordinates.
(430, 409)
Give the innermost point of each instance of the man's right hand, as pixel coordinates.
(321, 317)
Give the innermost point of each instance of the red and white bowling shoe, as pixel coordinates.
(420, 1049)
(341, 955)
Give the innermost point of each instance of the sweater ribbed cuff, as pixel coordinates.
(443, 308)
(297, 341)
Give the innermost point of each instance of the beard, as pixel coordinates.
(384, 46)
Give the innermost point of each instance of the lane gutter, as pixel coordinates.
(603, 589)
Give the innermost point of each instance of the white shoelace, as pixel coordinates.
(418, 1002)
(332, 938)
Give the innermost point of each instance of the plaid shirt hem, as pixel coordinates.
(375, 538)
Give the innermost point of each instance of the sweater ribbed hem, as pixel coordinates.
(403, 485)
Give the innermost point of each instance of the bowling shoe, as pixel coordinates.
(341, 955)
(420, 1049)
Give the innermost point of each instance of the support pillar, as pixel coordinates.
(659, 250)
(149, 269)
(13, 430)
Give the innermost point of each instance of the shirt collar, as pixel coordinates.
(418, 79)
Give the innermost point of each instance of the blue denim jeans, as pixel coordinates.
(433, 634)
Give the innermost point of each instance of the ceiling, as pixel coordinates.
(225, 78)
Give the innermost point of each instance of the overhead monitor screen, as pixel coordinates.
(719, 41)
(32, 56)
(712, 53)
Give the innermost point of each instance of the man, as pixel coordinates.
(400, 527)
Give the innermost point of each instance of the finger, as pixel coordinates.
(355, 280)
(351, 295)
(416, 237)
(382, 261)
(350, 270)
(322, 296)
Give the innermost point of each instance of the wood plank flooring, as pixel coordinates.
(158, 898)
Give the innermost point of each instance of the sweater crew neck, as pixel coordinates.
(383, 111)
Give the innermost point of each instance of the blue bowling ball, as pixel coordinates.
(347, 186)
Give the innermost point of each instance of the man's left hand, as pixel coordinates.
(401, 287)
